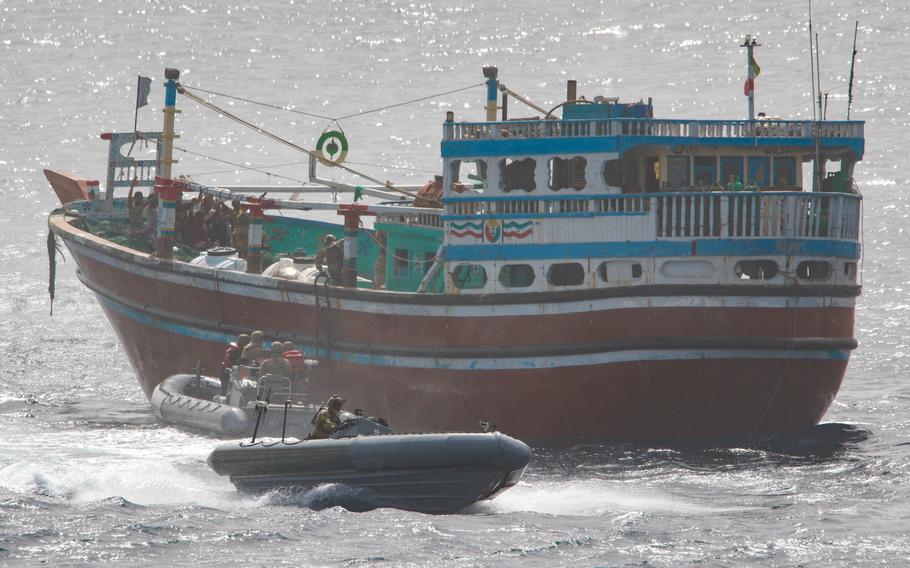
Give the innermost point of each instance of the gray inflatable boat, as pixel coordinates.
(427, 473)
(195, 402)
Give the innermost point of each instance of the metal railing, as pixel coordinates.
(677, 215)
(653, 127)
(757, 214)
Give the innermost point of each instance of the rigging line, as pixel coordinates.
(410, 101)
(314, 115)
(241, 166)
(275, 137)
(269, 105)
(405, 168)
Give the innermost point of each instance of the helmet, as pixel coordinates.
(335, 402)
(257, 337)
(243, 339)
(328, 239)
(277, 347)
(288, 346)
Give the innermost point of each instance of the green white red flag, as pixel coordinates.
(755, 71)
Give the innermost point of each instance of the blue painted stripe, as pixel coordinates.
(170, 94)
(624, 143)
(695, 247)
(222, 338)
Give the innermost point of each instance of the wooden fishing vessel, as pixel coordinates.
(602, 274)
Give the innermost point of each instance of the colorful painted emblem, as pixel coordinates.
(492, 231)
(467, 229)
(516, 230)
(332, 147)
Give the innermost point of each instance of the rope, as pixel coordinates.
(269, 105)
(783, 372)
(298, 163)
(337, 118)
(228, 162)
(276, 138)
(409, 102)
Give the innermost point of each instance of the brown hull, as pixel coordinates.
(652, 370)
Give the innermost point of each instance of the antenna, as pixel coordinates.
(818, 75)
(852, 65)
(812, 63)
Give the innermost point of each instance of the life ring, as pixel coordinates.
(332, 148)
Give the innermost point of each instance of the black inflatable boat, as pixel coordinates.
(428, 473)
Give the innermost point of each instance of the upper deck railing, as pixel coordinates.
(731, 129)
(677, 215)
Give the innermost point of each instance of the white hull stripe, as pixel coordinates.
(530, 309)
(490, 364)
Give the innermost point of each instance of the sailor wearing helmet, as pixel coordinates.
(327, 419)
(333, 255)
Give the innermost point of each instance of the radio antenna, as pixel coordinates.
(852, 65)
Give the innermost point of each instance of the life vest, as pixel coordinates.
(231, 355)
(295, 358)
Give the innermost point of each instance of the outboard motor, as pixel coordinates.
(353, 425)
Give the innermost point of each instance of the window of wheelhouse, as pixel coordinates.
(467, 174)
(677, 171)
(517, 174)
(731, 169)
(785, 172)
(401, 263)
(705, 170)
(567, 173)
(612, 173)
(759, 169)
(428, 259)
(469, 276)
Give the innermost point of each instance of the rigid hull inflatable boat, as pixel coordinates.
(268, 406)
(428, 473)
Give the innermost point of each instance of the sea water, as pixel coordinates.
(87, 475)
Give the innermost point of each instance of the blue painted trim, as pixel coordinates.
(170, 94)
(685, 248)
(624, 143)
(491, 89)
(542, 215)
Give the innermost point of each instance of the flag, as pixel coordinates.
(142, 96)
(755, 71)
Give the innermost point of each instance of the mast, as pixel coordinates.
(168, 192)
(753, 70)
(490, 73)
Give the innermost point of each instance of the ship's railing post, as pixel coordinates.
(254, 240)
(168, 193)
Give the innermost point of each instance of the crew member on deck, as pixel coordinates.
(254, 353)
(327, 420)
(276, 364)
(333, 255)
(295, 360)
(232, 356)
